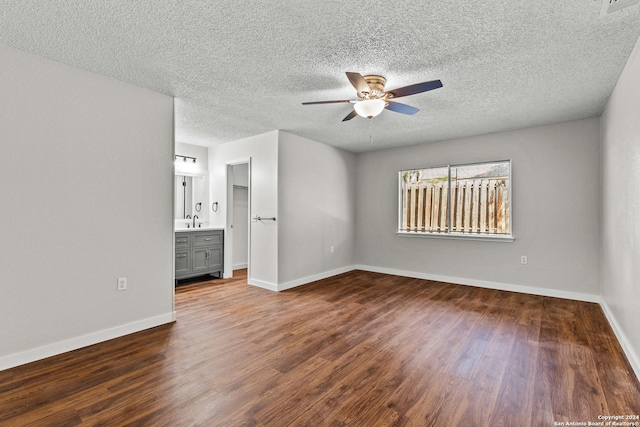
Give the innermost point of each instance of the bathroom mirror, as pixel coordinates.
(189, 193)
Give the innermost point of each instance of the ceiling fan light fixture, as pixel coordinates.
(369, 108)
(372, 98)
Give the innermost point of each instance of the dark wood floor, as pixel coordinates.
(360, 349)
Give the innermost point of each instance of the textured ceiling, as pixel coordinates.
(241, 68)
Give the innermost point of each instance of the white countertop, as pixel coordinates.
(183, 230)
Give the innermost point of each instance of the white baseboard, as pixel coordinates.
(485, 284)
(314, 277)
(54, 349)
(239, 266)
(578, 296)
(264, 285)
(632, 356)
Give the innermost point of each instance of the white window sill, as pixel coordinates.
(458, 236)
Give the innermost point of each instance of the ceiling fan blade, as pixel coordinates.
(350, 116)
(401, 108)
(358, 82)
(416, 88)
(327, 102)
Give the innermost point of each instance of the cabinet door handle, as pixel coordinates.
(182, 241)
(180, 256)
(208, 254)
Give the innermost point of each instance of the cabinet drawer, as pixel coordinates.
(207, 239)
(183, 262)
(183, 240)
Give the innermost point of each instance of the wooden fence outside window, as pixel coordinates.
(479, 206)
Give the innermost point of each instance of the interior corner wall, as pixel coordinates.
(263, 152)
(621, 208)
(555, 212)
(86, 189)
(316, 206)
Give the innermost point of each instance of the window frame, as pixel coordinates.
(449, 234)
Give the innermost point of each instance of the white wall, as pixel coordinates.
(316, 193)
(621, 208)
(200, 153)
(263, 152)
(86, 176)
(555, 212)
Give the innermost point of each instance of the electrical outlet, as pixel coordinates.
(331, 249)
(122, 284)
(523, 259)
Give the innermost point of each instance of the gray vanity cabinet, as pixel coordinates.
(198, 253)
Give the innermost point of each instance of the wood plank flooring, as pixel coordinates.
(359, 349)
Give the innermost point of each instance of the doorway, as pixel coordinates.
(238, 239)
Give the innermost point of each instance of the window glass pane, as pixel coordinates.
(477, 202)
(480, 198)
(424, 195)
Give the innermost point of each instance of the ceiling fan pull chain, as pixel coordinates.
(370, 131)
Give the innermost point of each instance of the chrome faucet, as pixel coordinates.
(194, 220)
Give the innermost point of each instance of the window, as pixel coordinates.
(471, 200)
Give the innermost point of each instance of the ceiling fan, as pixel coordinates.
(372, 98)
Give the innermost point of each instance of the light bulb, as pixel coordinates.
(369, 107)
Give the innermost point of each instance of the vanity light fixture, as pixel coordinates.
(184, 158)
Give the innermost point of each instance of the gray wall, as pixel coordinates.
(86, 189)
(621, 207)
(555, 211)
(316, 193)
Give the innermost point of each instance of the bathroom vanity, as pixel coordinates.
(199, 251)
